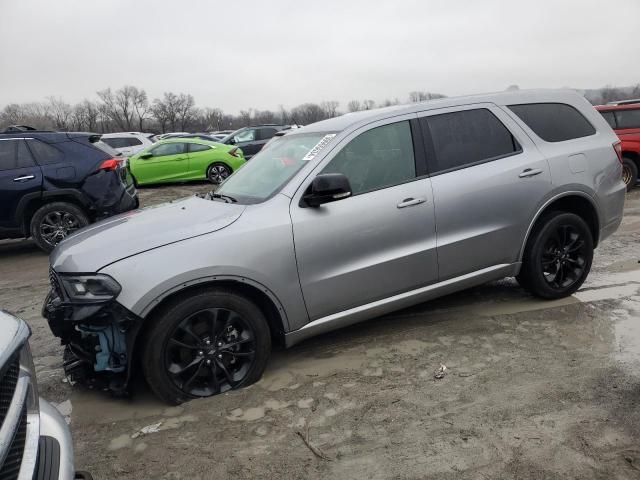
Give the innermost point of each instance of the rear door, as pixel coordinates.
(169, 161)
(20, 180)
(487, 177)
(378, 242)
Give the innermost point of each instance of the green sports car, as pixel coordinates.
(183, 159)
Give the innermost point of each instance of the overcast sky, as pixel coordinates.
(260, 54)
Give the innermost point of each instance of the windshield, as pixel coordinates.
(268, 171)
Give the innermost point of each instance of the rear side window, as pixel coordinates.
(628, 118)
(467, 138)
(196, 147)
(24, 158)
(122, 142)
(378, 158)
(168, 149)
(8, 154)
(610, 118)
(554, 122)
(266, 133)
(44, 153)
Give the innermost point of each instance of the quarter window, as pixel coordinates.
(168, 149)
(465, 138)
(628, 118)
(554, 122)
(379, 158)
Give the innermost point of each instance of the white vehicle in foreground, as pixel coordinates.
(128, 143)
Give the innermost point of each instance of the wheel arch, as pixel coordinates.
(31, 205)
(576, 202)
(264, 299)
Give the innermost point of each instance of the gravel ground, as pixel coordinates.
(532, 389)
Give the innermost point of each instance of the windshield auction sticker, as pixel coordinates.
(319, 146)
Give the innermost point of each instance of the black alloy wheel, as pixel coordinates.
(210, 352)
(564, 257)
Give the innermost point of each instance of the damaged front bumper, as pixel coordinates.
(99, 336)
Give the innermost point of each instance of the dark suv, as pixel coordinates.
(53, 183)
(251, 139)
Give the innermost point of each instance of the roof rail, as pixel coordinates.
(19, 128)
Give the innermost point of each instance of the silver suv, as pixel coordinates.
(335, 223)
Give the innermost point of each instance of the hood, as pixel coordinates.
(115, 238)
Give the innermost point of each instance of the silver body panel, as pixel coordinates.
(361, 256)
(41, 418)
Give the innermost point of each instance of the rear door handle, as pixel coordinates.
(408, 202)
(24, 178)
(530, 172)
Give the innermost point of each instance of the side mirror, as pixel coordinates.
(232, 141)
(144, 156)
(327, 187)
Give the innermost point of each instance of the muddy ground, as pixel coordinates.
(533, 389)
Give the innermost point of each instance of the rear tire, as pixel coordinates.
(557, 257)
(55, 221)
(205, 344)
(629, 172)
(218, 172)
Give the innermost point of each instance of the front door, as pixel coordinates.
(20, 178)
(380, 241)
(169, 161)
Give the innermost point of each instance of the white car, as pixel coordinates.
(128, 143)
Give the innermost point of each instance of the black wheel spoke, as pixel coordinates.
(182, 369)
(214, 378)
(181, 344)
(226, 372)
(190, 380)
(250, 353)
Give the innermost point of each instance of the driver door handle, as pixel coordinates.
(530, 172)
(409, 202)
(24, 178)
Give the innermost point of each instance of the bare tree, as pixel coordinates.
(354, 106)
(60, 113)
(141, 106)
(330, 108)
(419, 96)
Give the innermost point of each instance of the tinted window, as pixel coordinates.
(469, 137)
(8, 154)
(554, 122)
(168, 149)
(610, 118)
(245, 136)
(267, 133)
(122, 142)
(196, 147)
(45, 154)
(378, 158)
(628, 118)
(24, 155)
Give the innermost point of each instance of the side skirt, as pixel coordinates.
(397, 302)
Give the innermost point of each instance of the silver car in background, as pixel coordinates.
(35, 442)
(335, 223)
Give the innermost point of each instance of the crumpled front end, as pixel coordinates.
(97, 331)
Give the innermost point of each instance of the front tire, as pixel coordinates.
(218, 173)
(558, 256)
(629, 172)
(208, 343)
(53, 222)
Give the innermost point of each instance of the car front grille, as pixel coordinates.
(8, 386)
(11, 467)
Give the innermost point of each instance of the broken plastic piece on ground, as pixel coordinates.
(441, 372)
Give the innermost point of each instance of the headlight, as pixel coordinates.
(90, 288)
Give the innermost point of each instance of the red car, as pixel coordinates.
(625, 121)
